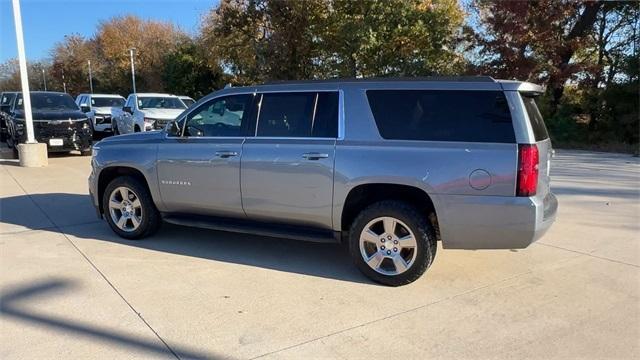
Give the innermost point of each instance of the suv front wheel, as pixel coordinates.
(129, 208)
(392, 243)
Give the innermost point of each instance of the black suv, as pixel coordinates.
(57, 121)
(6, 98)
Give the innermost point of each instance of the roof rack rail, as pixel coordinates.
(385, 79)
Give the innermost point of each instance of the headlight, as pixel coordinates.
(85, 125)
(149, 121)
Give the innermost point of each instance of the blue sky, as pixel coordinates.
(46, 22)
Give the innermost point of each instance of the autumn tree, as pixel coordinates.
(152, 41)
(535, 40)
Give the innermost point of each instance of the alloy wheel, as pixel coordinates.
(125, 209)
(388, 246)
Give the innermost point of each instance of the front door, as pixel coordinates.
(287, 168)
(199, 172)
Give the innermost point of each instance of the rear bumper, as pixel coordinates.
(495, 222)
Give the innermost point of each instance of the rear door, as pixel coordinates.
(287, 167)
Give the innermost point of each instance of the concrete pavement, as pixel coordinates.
(70, 288)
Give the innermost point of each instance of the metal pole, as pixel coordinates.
(90, 77)
(133, 69)
(26, 99)
(44, 79)
(64, 84)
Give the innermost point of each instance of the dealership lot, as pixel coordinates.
(72, 288)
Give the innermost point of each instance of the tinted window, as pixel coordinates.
(219, 117)
(307, 114)
(107, 102)
(437, 115)
(537, 123)
(130, 102)
(49, 101)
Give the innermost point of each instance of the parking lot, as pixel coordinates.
(71, 288)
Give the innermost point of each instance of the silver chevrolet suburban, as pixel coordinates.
(388, 166)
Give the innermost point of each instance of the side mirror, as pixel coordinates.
(127, 109)
(173, 129)
(84, 108)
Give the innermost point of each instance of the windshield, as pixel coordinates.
(49, 101)
(160, 103)
(107, 102)
(188, 101)
(6, 99)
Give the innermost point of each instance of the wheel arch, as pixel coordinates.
(363, 195)
(109, 173)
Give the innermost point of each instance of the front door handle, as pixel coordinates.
(226, 154)
(315, 156)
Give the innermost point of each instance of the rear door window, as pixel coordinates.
(442, 115)
(537, 122)
(298, 114)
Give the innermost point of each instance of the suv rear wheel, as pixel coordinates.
(129, 209)
(392, 243)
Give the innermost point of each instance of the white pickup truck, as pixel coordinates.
(146, 112)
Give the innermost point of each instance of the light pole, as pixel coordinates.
(22, 58)
(133, 68)
(90, 77)
(64, 84)
(44, 79)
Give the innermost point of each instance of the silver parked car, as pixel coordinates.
(388, 166)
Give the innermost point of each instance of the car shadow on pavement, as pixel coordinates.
(314, 259)
(13, 298)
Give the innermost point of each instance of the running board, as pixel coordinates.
(255, 228)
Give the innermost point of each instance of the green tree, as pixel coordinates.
(187, 71)
(394, 37)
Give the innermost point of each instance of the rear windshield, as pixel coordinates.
(537, 123)
(107, 102)
(441, 115)
(160, 103)
(49, 102)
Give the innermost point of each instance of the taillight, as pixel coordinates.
(528, 161)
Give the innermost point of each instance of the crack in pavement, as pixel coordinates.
(588, 254)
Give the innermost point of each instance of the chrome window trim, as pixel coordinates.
(341, 116)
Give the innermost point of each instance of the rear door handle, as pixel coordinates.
(315, 156)
(226, 154)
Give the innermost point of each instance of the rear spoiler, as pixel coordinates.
(523, 87)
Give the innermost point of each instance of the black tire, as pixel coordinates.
(151, 220)
(418, 224)
(136, 128)
(86, 152)
(115, 129)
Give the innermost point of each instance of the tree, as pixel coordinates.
(535, 40)
(260, 40)
(395, 37)
(187, 71)
(152, 41)
(69, 58)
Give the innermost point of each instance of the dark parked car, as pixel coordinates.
(6, 98)
(57, 121)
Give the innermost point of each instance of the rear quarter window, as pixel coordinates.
(537, 122)
(442, 115)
